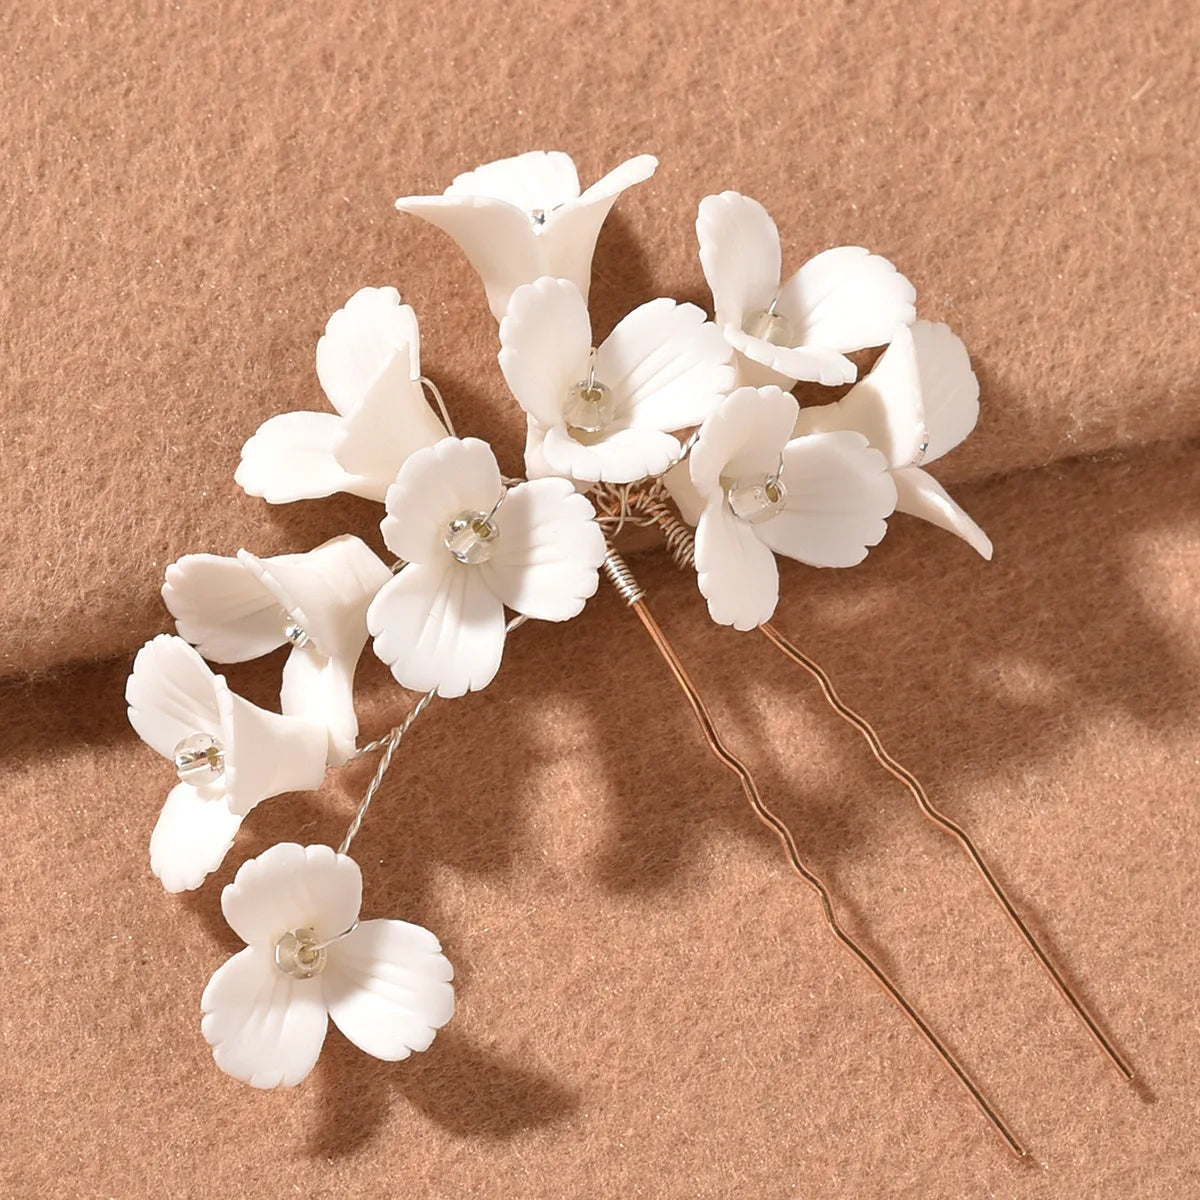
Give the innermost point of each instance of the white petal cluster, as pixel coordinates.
(308, 959)
(668, 398)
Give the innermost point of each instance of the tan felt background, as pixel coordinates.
(649, 1004)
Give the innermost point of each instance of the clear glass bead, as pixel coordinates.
(471, 537)
(295, 633)
(199, 759)
(299, 955)
(538, 217)
(590, 407)
(772, 327)
(757, 502)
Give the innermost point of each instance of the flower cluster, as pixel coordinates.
(671, 402)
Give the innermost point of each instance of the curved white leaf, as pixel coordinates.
(920, 495)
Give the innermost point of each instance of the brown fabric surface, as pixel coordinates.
(649, 1003)
(191, 190)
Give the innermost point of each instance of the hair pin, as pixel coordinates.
(675, 422)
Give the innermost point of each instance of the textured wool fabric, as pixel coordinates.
(649, 1004)
(191, 190)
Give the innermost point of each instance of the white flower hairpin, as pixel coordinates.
(672, 421)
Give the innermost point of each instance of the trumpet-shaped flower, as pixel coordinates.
(842, 300)
(235, 609)
(308, 957)
(368, 363)
(609, 414)
(920, 401)
(520, 218)
(471, 548)
(822, 499)
(230, 755)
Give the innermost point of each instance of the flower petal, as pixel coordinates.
(736, 572)
(267, 754)
(387, 986)
(920, 495)
(622, 456)
(291, 887)
(763, 363)
(293, 457)
(948, 387)
(742, 439)
(498, 239)
(679, 485)
(192, 836)
(360, 340)
(438, 625)
(839, 495)
(221, 608)
(326, 590)
(265, 1028)
(568, 239)
(544, 342)
(322, 690)
(172, 694)
(739, 254)
(433, 487)
(537, 179)
(548, 552)
(847, 298)
(666, 365)
(885, 407)
(391, 424)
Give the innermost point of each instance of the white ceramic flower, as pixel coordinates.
(520, 218)
(821, 499)
(664, 367)
(471, 548)
(368, 363)
(308, 957)
(236, 609)
(842, 300)
(230, 755)
(918, 403)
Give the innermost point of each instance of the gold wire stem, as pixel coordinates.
(622, 579)
(934, 814)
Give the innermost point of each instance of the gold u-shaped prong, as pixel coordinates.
(622, 579)
(939, 818)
